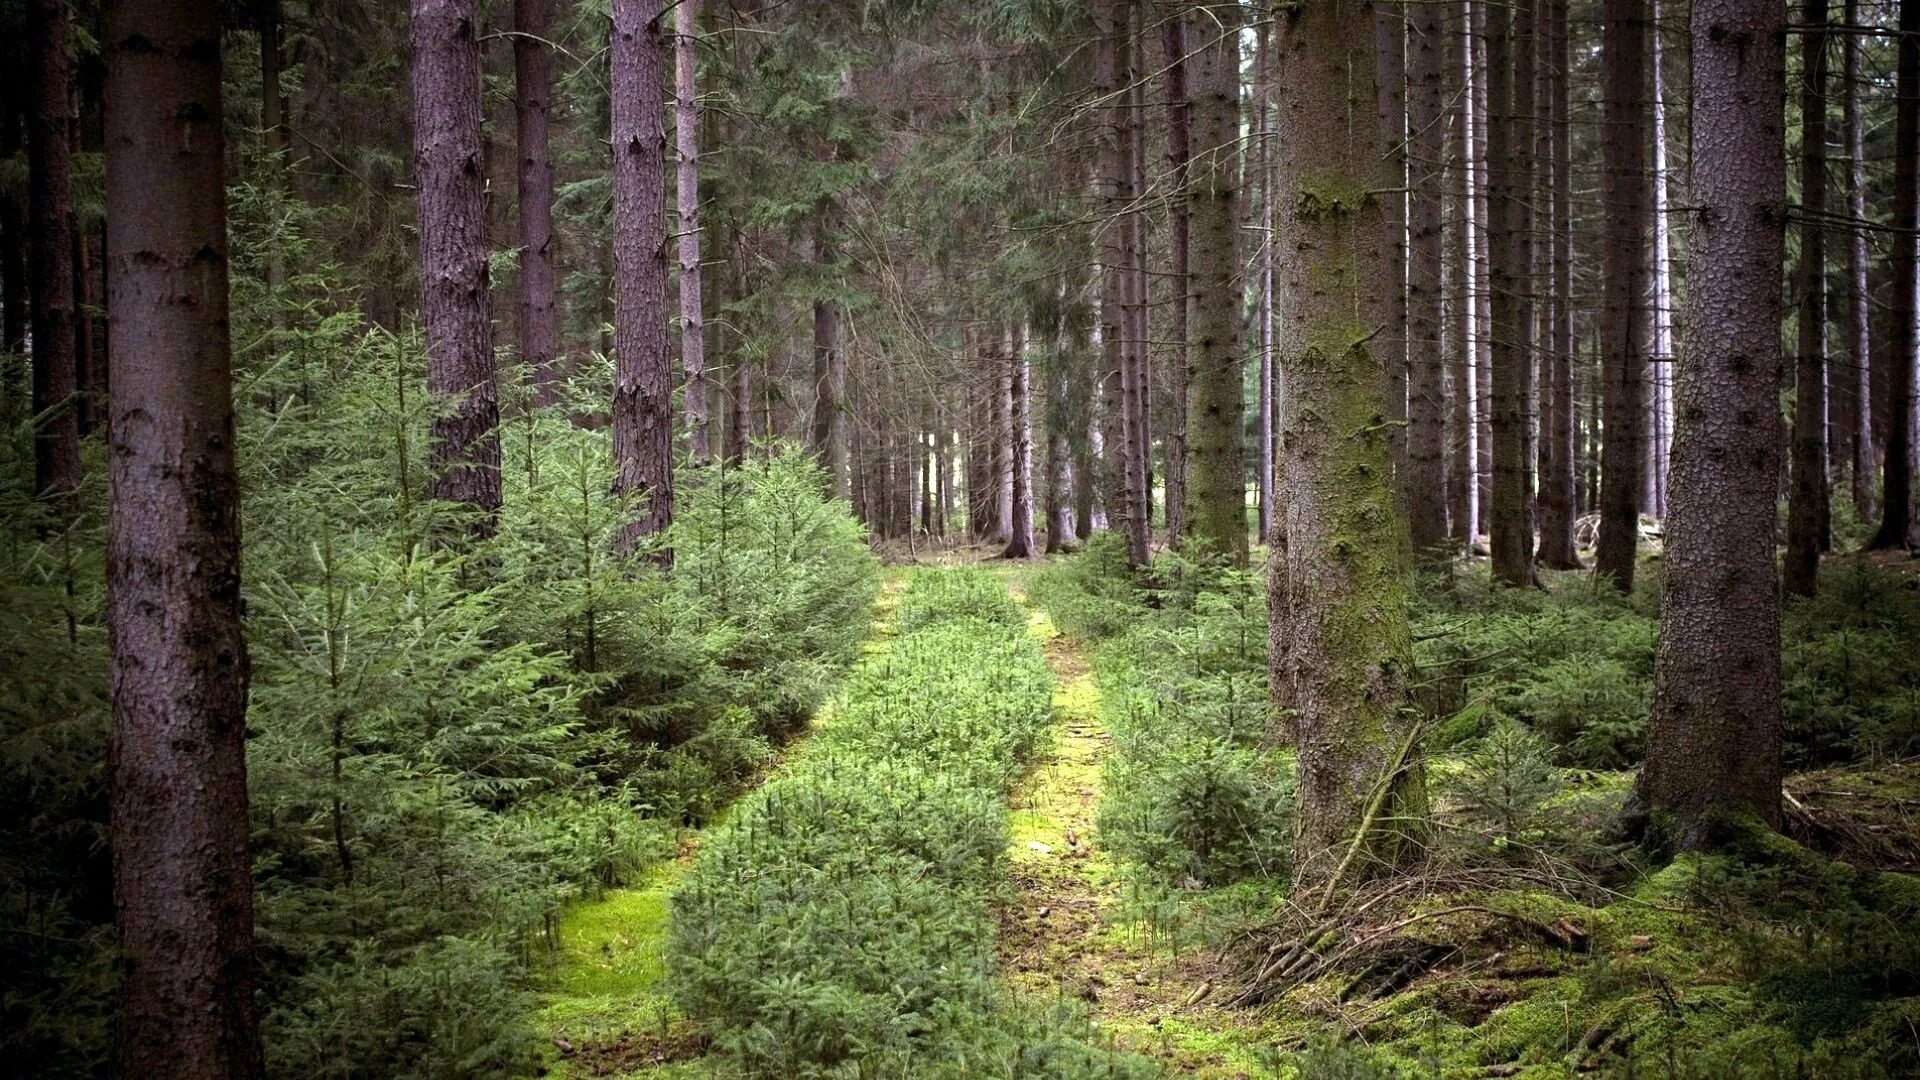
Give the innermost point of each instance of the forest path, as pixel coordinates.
(1077, 928)
(605, 1007)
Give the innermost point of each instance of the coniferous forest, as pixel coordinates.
(869, 539)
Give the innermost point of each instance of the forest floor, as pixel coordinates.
(605, 1007)
(1075, 927)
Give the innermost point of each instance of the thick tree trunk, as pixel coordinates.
(1659, 430)
(1627, 325)
(686, 142)
(1807, 492)
(56, 433)
(1174, 45)
(453, 255)
(532, 97)
(1481, 397)
(1510, 150)
(642, 380)
(1858, 384)
(183, 892)
(1557, 509)
(1424, 487)
(1124, 504)
(1020, 448)
(1340, 647)
(1896, 521)
(1216, 481)
(1713, 751)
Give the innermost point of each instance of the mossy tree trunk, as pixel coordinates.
(1713, 752)
(1216, 514)
(1340, 644)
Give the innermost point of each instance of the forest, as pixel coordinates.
(871, 539)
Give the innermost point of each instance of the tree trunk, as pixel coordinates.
(1138, 388)
(1124, 505)
(56, 434)
(1659, 440)
(1481, 397)
(642, 380)
(1173, 41)
(1263, 232)
(1896, 502)
(829, 435)
(1340, 647)
(1462, 328)
(453, 256)
(1216, 482)
(1424, 487)
(1020, 448)
(1806, 493)
(1511, 154)
(1713, 751)
(1626, 49)
(686, 142)
(13, 241)
(1557, 510)
(182, 886)
(1390, 108)
(1060, 494)
(532, 96)
(1856, 386)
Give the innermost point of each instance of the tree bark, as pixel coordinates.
(532, 97)
(1462, 328)
(1481, 396)
(1896, 502)
(56, 433)
(178, 768)
(1557, 510)
(1807, 489)
(1060, 493)
(1125, 507)
(1263, 333)
(1713, 751)
(1425, 478)
(1856, 387)
(1020, 447)
(453, 256)
(1626, 194)
(1173, 41)
(1659, 430)
(643, 380)
(686, 141)
(1511, 154)
(1340, 646)
(1216, 481)
(1390, 110)
(829, 435)
(13, 243)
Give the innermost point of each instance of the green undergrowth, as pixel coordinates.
(840, 924)
(1572, 953)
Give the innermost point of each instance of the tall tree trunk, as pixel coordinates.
(1659, 429)
(532, 97)
(1263, 307)
(1173, 41)
(829, 437)
(1557, 509)
(1806, 494)
(1510, 151)
(1424, 486)
(56, 434)
(453, 255)
(1896, 503)
(1481, 397)
(1216, 482)
(1390, 107)
(1020, 448)
(1139, 384)
(1462, 331)
(1713, 750)
(642, 379)
(273, 136)
(182, 886)
(1626, 50)
(1857, 386)
(1060, 473)
(1340, 646)
(1124, 505)
(686, 142)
